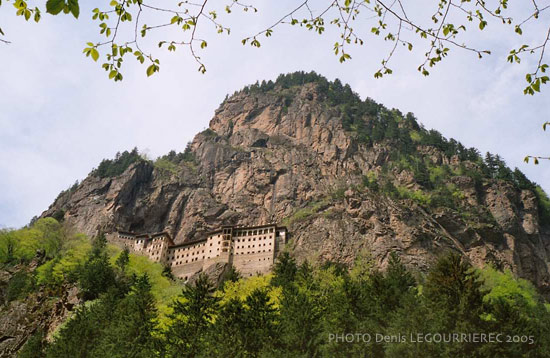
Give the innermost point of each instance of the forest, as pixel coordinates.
(135, 308)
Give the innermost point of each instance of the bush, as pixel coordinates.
(19, 286)
(34, 348)
(370, 181)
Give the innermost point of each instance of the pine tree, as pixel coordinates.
(300, 328)
(123, 259)
(191, 317)
(454, 291)
(521, 181)
(226, 338)
(130, 330)
(284, 270)
(97, 274)
(259, 320)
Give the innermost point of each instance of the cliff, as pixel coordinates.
(346, 176)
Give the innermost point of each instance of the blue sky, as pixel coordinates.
(60, 115)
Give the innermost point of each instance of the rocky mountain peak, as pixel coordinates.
(346, 176)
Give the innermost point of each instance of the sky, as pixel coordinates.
(60, 115)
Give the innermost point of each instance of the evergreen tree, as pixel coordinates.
(454, 291)
(232, 275)
(502, 170)
(284, 270)
(491, 167)
(259, 320)
(521, 181)
(191, 317)
(97, 274)
(300, 328)
(227, 336)
(399, 281)
(123, 259)
(130, 330)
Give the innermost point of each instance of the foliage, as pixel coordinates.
(96, 275)
(113, 326)
(435, 35)
(192, 316)
(34, 347)
(544, 205)
(21, 245)
(109, 168)
(503, 285)
(295, 311)
(66, 267)
(19, 286)
(171, 162)
(371, 181)
(311, 209)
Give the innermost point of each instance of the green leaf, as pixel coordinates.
(151, 69)
(74, 8)
(536, 85)
(54, 7)
(95, 54)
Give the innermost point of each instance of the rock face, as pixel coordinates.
(38, 312)
(284, 156)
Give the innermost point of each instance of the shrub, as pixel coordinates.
(19, 286)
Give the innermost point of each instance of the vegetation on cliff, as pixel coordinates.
(298, 311)
(121, 162)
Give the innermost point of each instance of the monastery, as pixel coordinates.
(250, 249)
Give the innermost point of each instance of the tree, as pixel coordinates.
(300, 322)
(231, 275)
(259, 320)
(435, 34)
(34, 348)
(284, 271)
(455, 294)
(130, 330)
(97, 275)
(8, 247)
(191, 317)
(123, 259)
(226, 338)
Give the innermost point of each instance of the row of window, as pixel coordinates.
(259, 245)
(254, 239)
(253, 232)
(252, 252)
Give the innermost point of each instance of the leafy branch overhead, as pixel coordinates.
(435, 32)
